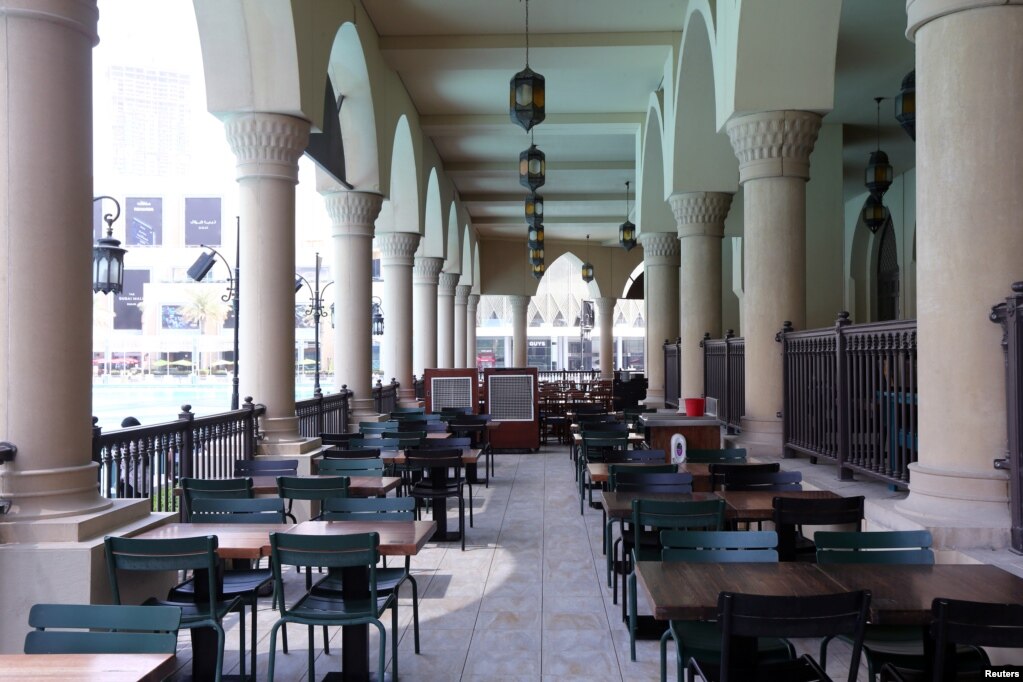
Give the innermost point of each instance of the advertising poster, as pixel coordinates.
(127, 313)
(174, 317)
(202, 221)
(144, 221)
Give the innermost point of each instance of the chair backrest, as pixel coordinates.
(600, 447)
(312, 488)
(411, 424)
(753, 615)
(723, 455)
(366, 466)
(377, 443)
(974, 624)
(377, 427)
(581, 409)
(664, 515)
(587, 428)
(346, 453)
(818, 512)
(265, 467)
(102, 629)
(614, 469)
(646, 456)
(874, 547)
(720, 471)
(778, 481)
(369, 508)
(721, 546)
(651, 482)
(337, 438)
(252, 510)
(219, 488)
(404, 435)
(426, 458)
(328, 551)
(440, 443)
(403, 411)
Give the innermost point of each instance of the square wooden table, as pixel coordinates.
(756, 505)
(91, 667)
(397, 538)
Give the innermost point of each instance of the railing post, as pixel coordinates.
(345, 407)
(726, 396)
(706, 379)
(842, 401)
(251, 429)
(97, 431)
(186, 455)
(1010, 315)
(786, 405)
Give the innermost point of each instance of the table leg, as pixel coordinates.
(439, 480)
(204, 640)
(355, 638)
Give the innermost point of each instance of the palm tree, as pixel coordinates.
(205, 309)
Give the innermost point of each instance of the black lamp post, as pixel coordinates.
(108, 256)
(378, 317)
(315, 310)
(200, 268)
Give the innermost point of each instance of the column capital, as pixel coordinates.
(448, 282)
(425, 270)
(700, 214)
(78, 16)
(471, 302)
(606, 305)
(352, 213)
(267, 145)
(659, 248)
(920, 12)
(462, 294)
(397, 248)
(772, 144)
(518, 303)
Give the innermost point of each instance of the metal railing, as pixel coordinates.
(575, 376)
(149, 461)
(385, 398)
(420, 387)
(1010, 315)
(724, 376)
(850, 395)
(672, 372)
(324, 414)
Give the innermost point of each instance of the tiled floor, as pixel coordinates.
(525, 601)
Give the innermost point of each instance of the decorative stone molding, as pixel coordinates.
(462, 294)
(448, 282)
(920, 12)
(773, 144)
(425, 270)
(80, 17)
(659, 248)
(606, 306)
(267, 145)
(700, 213)
(471, 303)
(397, 248)
(353, 213)
(519, 305)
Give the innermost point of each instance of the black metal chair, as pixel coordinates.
(791, 514)
(777, 481)
(720, 471)
(436, 483)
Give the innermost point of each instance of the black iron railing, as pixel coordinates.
(724, 376)
(850, 395)
(420, 387)
(324, 414)
(385, 398)
(573, 376)
(149, 461)
(672, 372)
(1010, 315)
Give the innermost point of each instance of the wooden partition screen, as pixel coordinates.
(512, 398)
(451, 388)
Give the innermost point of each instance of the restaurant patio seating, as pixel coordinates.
(720, 471)
(791, 514)
(436, 485)
(475, 427)
(219, 488)
(311, 489)
(345, 453)
(338, 438)
(265, 467)
(102, 629)
(364, 466)
(776, 481)
(598, 447)
(723, 455)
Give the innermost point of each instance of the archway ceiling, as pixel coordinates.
(601, 59)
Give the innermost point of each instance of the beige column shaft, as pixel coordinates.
(660, 275)
(470, 329)
(397, 250)
(461, 304)
(46, 198)
(605, 322)
(773, 149)
(425, 273)
(519, 307)
(446, 319)
(968, 208)
(267, 147)
(700, 219)
(351, 216)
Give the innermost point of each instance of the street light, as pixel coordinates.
(378, 317)
(108, 256)
(200, 268)
(316, 311)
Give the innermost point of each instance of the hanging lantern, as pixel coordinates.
(535, 245)
(875, 213)
(905, 104)
(532, 168)
(587, 272)
(538, 269)
(627, 231)
(526, 98)
(879, 174)
(534, 209)
(108, 256)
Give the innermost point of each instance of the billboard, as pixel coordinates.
(202, 221)
(127, 313)
(144, 217)
(175, 317)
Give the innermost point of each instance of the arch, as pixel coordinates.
(653, 214)
(453, 242)
(468, 249)
(476, 267)
(433, 220)
(404, 185)
(887, 273)
(863, 269)
(350, 78)
(701, 158)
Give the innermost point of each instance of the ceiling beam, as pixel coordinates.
(537, 41)
(554, 124)
(552, 166)
(518, 198)
(548, 220)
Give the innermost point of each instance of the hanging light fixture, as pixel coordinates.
(905, 104)
(526, 94)
(534, 209)
(587, 269)
(538, 269)
(532, 167)
(879, 173)
(627, 231)
(108, 256)
(875, 213)
(535, 244)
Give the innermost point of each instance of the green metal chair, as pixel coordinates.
(102, 629)
(185, 554)
(406, 439)
(377, 427)
(265, 467)
(901, 646)
(724, 455)
(600, 447)
(293, 488)
(703, 639)
(218, 488)
(389, 444)
(365, 466)
(242, 510)
(336, 552)
(401, 411)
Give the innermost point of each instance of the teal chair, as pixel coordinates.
(377, 427)
(218, 488)
(293, 488)
(184, 554)
(901, 646)
(725, 455)
(102, 629)
(391, 444)
(365, 466)
(599, 447)
(406, 439)
(703, 639)
(334, 552)
(244, 510)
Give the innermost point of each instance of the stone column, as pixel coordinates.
(352, 215)
(519, 306)
(424, 312)
(606, 320)
(660, 275)
(773, 149)
(700, 219)
(470, 330)
(968, 206)
(461, 305)
(397, 250)
(267, 147)
(446, 319)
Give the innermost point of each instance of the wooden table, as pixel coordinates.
(619, 505)
(437, 435)
(397, 538)
(98, 667)
(634, 438)
(358, 486)
(756, 505)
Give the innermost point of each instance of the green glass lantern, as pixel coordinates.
(532, 168)
(879, 173)
(627, 231)
(526, 98)
(534, 209)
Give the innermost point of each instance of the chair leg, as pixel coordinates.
(383, 649)
(632, 616)
(470, 506)
(241, 637)
(219, 670)
(312, 655)
(415, 604)
(394, 641)
(461, 520)
(664, 655)
(326, 643)
(252, 647)
(273, 650)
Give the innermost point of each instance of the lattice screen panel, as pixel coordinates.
(450, 392)
(511, 397)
